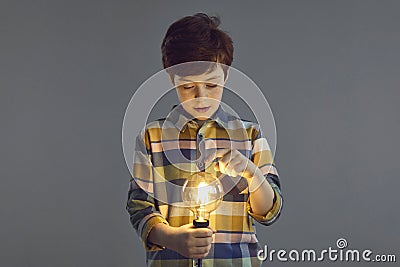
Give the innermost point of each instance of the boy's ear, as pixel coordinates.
(226, 75)
(171, 79)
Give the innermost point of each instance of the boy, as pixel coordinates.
(166, 230)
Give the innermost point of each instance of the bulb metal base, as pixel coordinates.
(204, 223)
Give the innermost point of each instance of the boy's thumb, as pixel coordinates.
(214, 231)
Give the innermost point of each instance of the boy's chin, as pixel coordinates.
(200, 115)
(202, 118)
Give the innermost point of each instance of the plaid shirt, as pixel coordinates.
(159, 165)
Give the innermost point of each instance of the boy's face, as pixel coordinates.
(200, 95)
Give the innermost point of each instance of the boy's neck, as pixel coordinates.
(200, 122)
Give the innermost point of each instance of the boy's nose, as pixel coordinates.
(201, 90)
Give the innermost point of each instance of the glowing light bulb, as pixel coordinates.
(202, 193)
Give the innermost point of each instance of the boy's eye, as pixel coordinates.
(191, 86)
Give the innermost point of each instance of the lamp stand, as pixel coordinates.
(200, 223)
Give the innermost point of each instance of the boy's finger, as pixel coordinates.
(203, 232)
(189, 225)
(203, 242)
(214, 231)
(216, 167)
(219, 153)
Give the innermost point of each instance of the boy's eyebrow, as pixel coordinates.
(209, 79)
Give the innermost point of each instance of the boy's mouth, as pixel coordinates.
(202, 109)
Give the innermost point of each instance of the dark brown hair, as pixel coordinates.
(196, 38)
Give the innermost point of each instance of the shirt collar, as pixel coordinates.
(181, 118)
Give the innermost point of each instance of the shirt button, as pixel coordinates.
(200, 164)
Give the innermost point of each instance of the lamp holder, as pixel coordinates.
(204, 223)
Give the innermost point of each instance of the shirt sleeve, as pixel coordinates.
(262, 157)
(141, 205)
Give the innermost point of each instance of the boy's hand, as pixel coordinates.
(233, 163)
(191, 242)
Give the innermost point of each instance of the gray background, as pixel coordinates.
(330, 70)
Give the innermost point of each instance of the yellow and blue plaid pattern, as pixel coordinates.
(159, 163)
